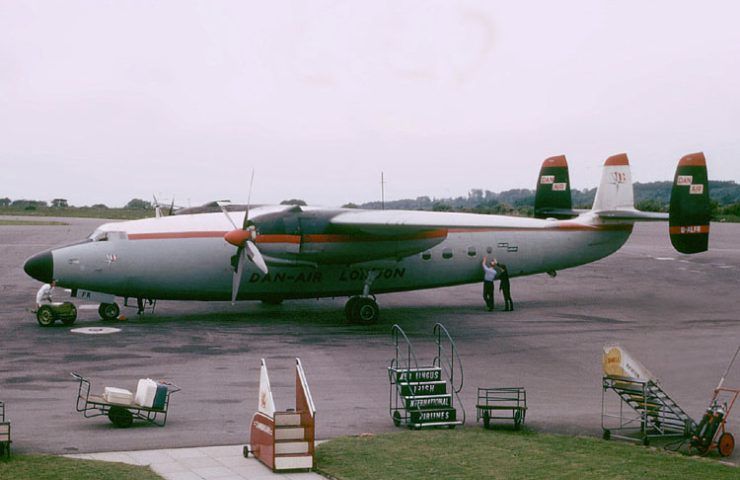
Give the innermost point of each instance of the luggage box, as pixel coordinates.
(160, 397)
(119, 396)
(146, 392)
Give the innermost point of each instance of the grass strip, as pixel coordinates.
(30, 222)
(475, 453)
(48, 467)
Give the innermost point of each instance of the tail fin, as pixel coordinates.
(552, 197)
(615, 189)
(689, 210)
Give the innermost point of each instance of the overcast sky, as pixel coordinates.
(103, 101)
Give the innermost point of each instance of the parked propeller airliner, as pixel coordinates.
(288, 252)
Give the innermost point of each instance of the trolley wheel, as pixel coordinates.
(607, 434)
(245, 451)
(726, 444)
(70, 317)
(45, 316)
(646, 441)
(397, 418)
(108, 311)
(120, 417)
(486, 419)
(518, 419)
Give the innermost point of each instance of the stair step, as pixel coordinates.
(428, 401)
(422, 374)
(423, 388)
(436, 424)
(293, 462)
(289, 433)
(291, 448)
(433, 415)
(287, 418)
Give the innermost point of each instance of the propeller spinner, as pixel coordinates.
(243, 239)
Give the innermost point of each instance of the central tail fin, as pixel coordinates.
(615, 190)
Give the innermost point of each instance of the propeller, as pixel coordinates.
(243, 239)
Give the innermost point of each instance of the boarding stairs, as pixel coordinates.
(427, 395)
(283, 440)
(654, 414)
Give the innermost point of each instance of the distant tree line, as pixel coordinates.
(653, 196)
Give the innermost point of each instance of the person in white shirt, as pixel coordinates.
(489, 275)
(43, 296)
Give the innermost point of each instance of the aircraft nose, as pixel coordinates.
(40, 267)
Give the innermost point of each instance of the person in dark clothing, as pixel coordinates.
(489, 276)
(505, 286)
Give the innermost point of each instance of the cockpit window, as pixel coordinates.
(104, 236)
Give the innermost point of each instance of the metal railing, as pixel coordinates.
(449, 361)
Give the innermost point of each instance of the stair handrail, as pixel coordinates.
(304, 383)
(397, 331)
(439, 330)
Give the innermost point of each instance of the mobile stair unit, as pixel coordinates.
(645, 411)
(283, 440)
(4, 433)
(425, 395)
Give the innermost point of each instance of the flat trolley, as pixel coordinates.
(121, 415)
(503, 403)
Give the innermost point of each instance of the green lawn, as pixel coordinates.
(46, 467)
(30, 222)
(475, 453)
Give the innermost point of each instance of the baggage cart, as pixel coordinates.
(121, 415)
(503, 403)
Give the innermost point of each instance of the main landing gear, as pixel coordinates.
(363, 309)
(108, 311)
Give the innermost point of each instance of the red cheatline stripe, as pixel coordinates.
(280, 238)
(688, 229)
(617, 160)
(163, 235)
(557, 161)
(693, 160)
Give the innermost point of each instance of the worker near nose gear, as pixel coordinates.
(43, 296)
(489, 275)
(504, 286)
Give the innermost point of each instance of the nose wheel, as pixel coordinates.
(362, 310)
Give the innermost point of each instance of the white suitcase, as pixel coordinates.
(119, 396)
(146, 390)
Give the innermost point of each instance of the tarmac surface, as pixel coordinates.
(677, 314)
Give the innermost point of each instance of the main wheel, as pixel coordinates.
(108, 311)
(45, 316)
(726, 444)
(349, 307)
(70, 317)
(365, 311)
(120, 417)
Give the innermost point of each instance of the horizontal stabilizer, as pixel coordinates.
(633, 214)
(552, 196)
(689, 209)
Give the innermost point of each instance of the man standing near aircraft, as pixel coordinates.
(489, 276)
(505, 286)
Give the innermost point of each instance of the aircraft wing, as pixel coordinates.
(395, 222)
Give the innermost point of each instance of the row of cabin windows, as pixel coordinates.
(447, 253)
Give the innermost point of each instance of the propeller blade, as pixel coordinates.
(172, 207)
(255, 256)
(249, 199)
(222, 206)
(237, 278)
